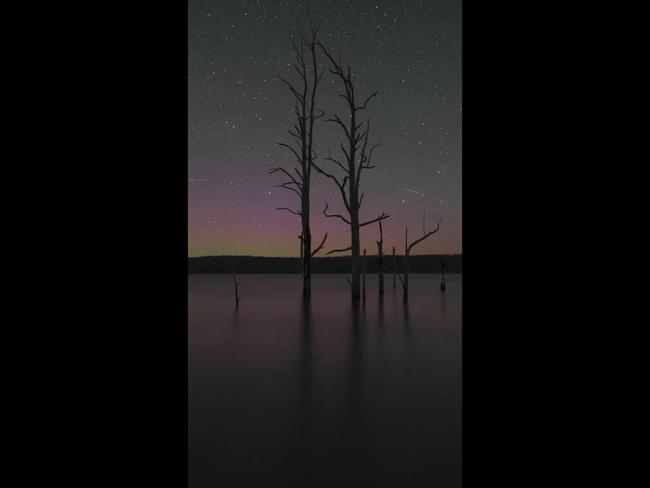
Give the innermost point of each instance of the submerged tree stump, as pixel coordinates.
(443, 283)
(237, 296)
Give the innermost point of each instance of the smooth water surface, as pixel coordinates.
(325, 395)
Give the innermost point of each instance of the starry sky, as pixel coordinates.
(238, 110)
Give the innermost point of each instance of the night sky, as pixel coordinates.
(409, 51)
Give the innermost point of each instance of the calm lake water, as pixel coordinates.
(281, 394)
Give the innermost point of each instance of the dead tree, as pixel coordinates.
(237, 296)
(358, 157)
(380, 264)
(302, 133)
(407, 252)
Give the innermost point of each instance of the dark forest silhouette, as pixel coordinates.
(320, 265)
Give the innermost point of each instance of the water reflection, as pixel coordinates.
(380, 324)
(305, 368)
(323, 393)
(355, 367)
(443, 307)
(407, 321)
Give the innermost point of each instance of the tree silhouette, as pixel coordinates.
(302, 133)
(407, 252)
(358, 157)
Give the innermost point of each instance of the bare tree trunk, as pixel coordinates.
(394, 268)
(380, 264)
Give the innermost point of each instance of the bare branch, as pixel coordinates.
(320, 115)
(335, 215)
(320, 246)
(337, 66)
(338, 121)
(284, 171)
(293, 90)
(365, 158)
(338, 250)
(410, 246)
(371, 151)
(347, 156)
(339, 184)
(367, 100)
(381, 217)
(295, 212)
(295, 153)
(292, 183)
(300, 71)
(330, 158)
(289, 188)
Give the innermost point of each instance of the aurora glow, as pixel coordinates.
(410, 51)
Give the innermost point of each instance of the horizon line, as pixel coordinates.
(314, 257)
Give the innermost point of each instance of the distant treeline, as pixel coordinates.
(339, 265)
